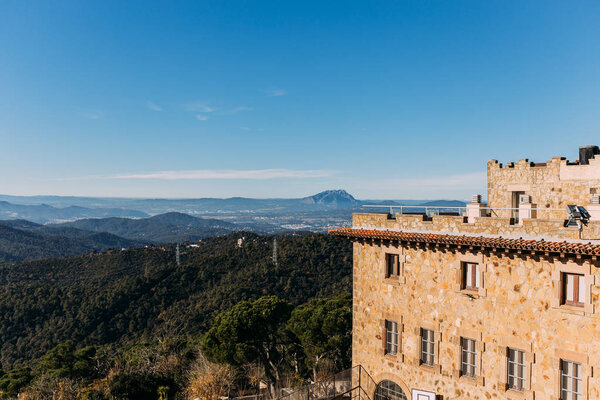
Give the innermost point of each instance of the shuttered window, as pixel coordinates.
(574, 293)
(470, 276)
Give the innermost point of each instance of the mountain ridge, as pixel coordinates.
(162, 228)
(33, 242)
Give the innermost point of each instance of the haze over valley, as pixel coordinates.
(54, 226)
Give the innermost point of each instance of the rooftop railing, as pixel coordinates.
(428, 210)
(507, 212)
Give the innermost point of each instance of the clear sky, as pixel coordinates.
(386, 99)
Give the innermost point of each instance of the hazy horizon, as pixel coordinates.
(223, 198)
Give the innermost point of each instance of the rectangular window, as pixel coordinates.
(391, 265)
(391, 337)
(468, 360)
(570, 381)
(427, 347)
(470, 276)
(574, 293)
(516, 370)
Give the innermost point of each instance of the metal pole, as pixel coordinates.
(359, 371)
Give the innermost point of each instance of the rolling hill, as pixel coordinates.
(163, 228)
(43, 213)
(22, 240)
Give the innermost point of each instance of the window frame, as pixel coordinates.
(391, 347)
(472, 355)
(577, 280)
(585, 371)
(504, 344)
(394, 271)
(480, 347)
(397, 318)
(415, 358)
(389, 385)
(475, 276)
(577, 379)
(576, 267)
(427, 356)
(520, 388)
(459, 286)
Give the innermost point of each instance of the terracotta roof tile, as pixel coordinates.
(566, 247)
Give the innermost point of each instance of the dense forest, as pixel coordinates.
(25, 240)
(21, 240)
(114, 306)
(163, 228)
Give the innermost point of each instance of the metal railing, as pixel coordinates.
(462, 210)
(353, 383)
(429, 210)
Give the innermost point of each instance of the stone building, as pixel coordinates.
(483, 304)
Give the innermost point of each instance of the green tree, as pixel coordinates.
(324, 329)
(251, 332)
(93, 395)
(13, 381)
(65, 361)
(133, 387)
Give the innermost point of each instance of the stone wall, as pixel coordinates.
(483, 225)
(517, 307)
(551, 185)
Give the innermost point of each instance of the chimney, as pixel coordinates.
(586, 153)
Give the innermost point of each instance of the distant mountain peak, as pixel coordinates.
(338, 197)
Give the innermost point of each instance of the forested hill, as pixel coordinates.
(20, 240)
(163, 228)
(141, 294)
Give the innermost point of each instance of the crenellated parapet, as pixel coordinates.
(548, 186)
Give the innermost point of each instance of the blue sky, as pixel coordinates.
(386, 99)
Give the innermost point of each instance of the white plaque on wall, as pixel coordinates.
(422, 395)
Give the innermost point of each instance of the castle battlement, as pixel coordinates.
(549, 187)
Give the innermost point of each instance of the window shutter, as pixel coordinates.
(582, 292)
(570, 287)
(468, 275)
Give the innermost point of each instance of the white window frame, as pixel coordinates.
(571, 380)
(391, 337)
(468, 357)
(517, 380)
(427, 354)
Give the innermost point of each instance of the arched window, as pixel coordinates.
(388, 390)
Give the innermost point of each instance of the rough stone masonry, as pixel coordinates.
(528, 337)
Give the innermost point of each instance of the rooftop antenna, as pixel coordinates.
(177, 258)
(578, 215)
(275, 251)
